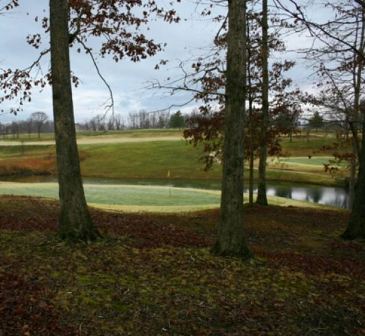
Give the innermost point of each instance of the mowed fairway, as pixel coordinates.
(158, 155)
(154, 160)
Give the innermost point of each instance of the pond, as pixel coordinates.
(332, 196)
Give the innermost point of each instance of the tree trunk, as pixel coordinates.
(250, 119)
(251, 150)
(231, 239)
(353, 174)
(261, 193)
(356, 225)
(74, 220)
(251, 179)
(352, 183)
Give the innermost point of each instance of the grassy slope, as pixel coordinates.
(300, 146)
(145, 160)
(153, 275)
(153, 160)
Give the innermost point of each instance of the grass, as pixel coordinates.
(19, 151)
(153, 160)
(314, 145)
(297, 176)
(142, 133)
(308, 161)
(27, 137)
(306, 170)
(138, 198)
(126, 195)
(153, 275)
(156, 160)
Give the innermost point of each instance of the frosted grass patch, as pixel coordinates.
(123, 195)
(132, 198)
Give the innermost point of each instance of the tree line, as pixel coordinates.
(39, 123)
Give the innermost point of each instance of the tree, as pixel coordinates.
(209, 72)
(231, 240)
(340, 82)
(316, 121)
(356, 225)
(8, 5)
(287, 120)
(177, 120)
(118, 122)
(38, 119)
(261, 192)
(75, 222)
(29, 125)
(342, 38)
(14, 127)
(118, 23)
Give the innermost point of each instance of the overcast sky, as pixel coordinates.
(190, 38)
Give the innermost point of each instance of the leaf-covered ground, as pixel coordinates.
(153, 275)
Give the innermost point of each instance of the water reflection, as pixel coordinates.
(333, 196)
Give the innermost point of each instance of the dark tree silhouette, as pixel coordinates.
(75, 222)
(38, 119)
(231, 240)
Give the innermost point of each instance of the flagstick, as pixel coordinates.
(168, 176)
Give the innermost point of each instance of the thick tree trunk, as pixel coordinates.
(231, 240)
(74, 221)
(261, 193)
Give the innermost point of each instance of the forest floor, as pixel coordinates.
(152, 274)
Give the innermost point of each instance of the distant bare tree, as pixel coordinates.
(39, 119)
(110, 125)
(144, 119)
(118, 122)
(29, 125)
(14, 128)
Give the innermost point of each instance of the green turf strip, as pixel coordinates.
(133, 198)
